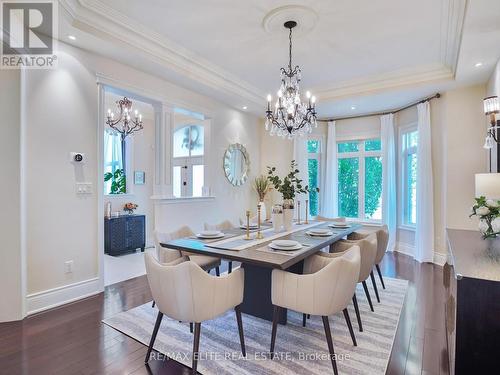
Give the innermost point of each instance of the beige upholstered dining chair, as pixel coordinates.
(165, 254)
(368, 250)
(325, 288)
(225, 225)
(382, 233)
(183, 291)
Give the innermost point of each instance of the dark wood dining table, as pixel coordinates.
(258, 261)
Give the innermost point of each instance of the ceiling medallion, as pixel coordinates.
(290, 116)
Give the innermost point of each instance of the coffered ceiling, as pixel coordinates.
(358, 56)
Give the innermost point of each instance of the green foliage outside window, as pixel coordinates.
(313, 187)
(348, 173)
(373, 187)
(348, 147)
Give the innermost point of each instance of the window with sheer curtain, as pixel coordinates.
(409, 141)
(314, 153)
(188, 152)
(114, 175)
(360, 179)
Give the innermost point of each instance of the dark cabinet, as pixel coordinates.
(472, 284)
(124, 233)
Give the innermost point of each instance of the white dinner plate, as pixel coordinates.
(205, 237)
(287, 248)
(327, 233)
(285, 243)
(339, 225)
(251, 226)
(211, 233)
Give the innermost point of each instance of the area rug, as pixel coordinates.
(299, 350)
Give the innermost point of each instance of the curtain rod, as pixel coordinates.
(435, 96)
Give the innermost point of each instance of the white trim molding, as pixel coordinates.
(409, 249)
(48, 299)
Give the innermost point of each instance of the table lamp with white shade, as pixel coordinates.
(488, 185)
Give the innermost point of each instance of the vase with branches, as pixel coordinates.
(289, 187)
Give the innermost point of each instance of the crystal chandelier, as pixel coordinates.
(290, 116)
(124, 124)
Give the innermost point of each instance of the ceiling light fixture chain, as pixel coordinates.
(290, 116)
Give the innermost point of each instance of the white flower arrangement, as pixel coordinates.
(488, 212)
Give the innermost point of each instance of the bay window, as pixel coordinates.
(314, 168)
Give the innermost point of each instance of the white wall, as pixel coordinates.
(493, 87)
(61, 117)
(11, 281)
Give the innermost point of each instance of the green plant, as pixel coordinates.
(290, 185)
(261, 185)
(488, 211)
(118, 181)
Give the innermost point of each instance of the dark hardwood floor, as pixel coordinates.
(72, 340)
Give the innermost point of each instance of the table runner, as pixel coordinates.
(239, 243)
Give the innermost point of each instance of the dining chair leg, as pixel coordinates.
(237, 309)
(217, 271)
(196, 346)
(153, 304)
(276, 311)
(153, 336)
(356, 308)
(230, 266)
(308, 316)
(304, 316)
(349, 325)
(380, 275)
(328, 334)
(191, 327)
(374, 286)
(368, 295)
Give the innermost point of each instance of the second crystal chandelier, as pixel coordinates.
(290, 116)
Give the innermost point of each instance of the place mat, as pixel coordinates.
(239, 243)
(267, 249)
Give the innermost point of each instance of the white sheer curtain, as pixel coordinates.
(328, 193)
(424, 234)
(300, 157)
(389, 203)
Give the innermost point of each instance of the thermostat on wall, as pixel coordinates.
(77, 157)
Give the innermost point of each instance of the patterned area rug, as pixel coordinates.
(299, 350)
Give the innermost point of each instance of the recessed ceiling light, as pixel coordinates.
(244, 107)
(72, 37)
(353, 107)
(479, 64)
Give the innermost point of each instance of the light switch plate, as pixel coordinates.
(84, 188)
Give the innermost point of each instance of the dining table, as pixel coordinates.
(259, 260)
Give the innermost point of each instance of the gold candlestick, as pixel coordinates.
(247, 237)
(259, 234)
(298, 212)
(307, 212)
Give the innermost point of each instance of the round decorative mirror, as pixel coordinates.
(236, 164)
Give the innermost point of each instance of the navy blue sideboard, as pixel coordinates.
(124, 234)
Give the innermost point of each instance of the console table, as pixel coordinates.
(124, 233)
(472, 283)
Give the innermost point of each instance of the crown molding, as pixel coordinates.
(386, 81)
(104, 21)
(99, 19)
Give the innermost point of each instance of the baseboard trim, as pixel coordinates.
(409, 249)
(48, 299)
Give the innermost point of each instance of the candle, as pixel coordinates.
(248, 226)
(298, 212)
(259, 234)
